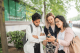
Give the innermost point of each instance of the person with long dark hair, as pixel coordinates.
(64, 36)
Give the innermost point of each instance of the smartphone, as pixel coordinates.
(48, 36)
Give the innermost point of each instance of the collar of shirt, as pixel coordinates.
(36, 30)
(34, 25)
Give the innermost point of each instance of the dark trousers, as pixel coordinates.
(37, 48)
(61, 51)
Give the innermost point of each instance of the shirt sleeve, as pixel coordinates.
(29, 35)
(42, 38)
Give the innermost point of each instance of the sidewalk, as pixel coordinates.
(76, 31)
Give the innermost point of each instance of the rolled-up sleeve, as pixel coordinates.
(31, 38)
(29, 35)
(41, 38)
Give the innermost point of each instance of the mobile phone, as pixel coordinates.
(48, 36)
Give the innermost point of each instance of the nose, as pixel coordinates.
(38, 23)
(50, 21)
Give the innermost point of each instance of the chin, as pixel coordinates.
(59, 27)
(37, 26)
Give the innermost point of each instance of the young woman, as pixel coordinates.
(64, 37)
(50, 30)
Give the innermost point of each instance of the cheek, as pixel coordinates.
(53, 20)
(48, 21)
(39, 23)
(60, 23)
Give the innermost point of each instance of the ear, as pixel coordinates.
(32, 20)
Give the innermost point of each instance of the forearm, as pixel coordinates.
(41, 38)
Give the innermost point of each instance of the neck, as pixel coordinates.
(62, 29)
(52, 24)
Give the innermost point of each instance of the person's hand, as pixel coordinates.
(35, 36)
(45, 41)
(49, 35)
(51, 39)
(42, 34)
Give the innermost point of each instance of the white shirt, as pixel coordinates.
(36, 31)
(29, 46)
(61, 36)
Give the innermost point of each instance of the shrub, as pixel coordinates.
(16, 37)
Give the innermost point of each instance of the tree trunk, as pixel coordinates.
(44, 9)
(2, 28)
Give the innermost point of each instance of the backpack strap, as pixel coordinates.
(31, 28)
(24, 38)
(40, 28)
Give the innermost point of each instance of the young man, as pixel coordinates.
(34, 43)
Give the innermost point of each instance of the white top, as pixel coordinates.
(29, 46)
(61, 36)
(36, 31)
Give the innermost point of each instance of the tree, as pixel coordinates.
(77, 2)
(57, 7)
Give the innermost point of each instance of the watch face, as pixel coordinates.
(48, 36)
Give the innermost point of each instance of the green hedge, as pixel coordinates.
(16, 37)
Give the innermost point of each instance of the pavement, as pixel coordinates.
(76, 31)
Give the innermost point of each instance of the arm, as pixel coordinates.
(29, 35)
(68, 37)
(45, 31)
(41, 38)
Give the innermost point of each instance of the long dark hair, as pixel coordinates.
(65, 25)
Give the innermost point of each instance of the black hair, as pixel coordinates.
(65, 25)
(36, 16)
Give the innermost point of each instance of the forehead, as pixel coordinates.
(50, 17)
(37, 20)
(57, 19)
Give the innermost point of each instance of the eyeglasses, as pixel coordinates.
(56, 22)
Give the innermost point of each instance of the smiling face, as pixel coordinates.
(36, 22)
(50, 19)
(58, 23)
